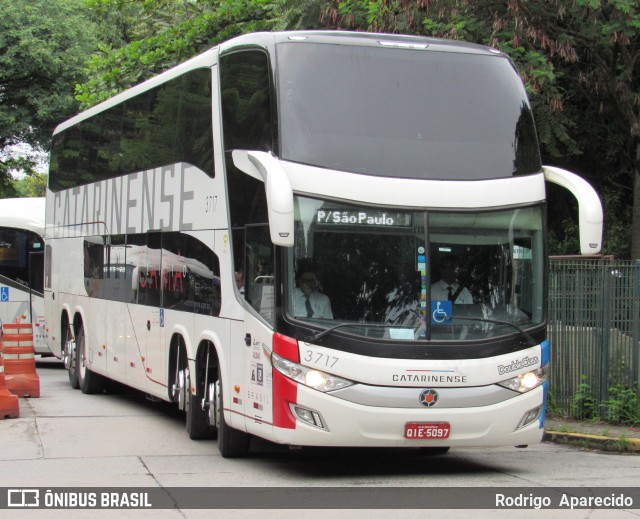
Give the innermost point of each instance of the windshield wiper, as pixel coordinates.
(319, 335)
(530, 340)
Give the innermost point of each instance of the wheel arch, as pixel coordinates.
(64, 324)
(78, 321)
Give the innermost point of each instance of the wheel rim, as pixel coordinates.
(180, 388)
(73, 359)
(82, 364)
(69, 352)
(212, 402)
(218, 404)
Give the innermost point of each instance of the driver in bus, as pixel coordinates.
(448, 288)
(307, 301)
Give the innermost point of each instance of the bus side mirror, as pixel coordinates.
(264, 166)
(589, 207)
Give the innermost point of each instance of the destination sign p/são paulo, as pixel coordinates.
(363, 217)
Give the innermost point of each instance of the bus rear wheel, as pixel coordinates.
(89, 382)
(232, 443)
(70, 352)
(198, 427)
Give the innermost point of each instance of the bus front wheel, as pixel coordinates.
(232, 443)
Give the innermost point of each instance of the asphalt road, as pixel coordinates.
(68, 439)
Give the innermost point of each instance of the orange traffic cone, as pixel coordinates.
(19, 359)
(9, 405)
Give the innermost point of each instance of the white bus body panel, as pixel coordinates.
(356, 424)
(352, 425)
(23, 213)
(421, 194)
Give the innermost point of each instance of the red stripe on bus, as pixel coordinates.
(286, 347)
(285, 391)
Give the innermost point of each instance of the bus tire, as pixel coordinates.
(232, 443)
(73, 361)
(198, 427)
(89, 382)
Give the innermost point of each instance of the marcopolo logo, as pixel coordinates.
(518, 364)
(428, 397)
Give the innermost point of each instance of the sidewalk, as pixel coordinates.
(593, 435)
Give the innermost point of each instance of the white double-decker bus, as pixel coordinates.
(353, 167)
(22, 265)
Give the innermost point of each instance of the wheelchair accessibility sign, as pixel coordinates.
(441, 312)
(4, 293)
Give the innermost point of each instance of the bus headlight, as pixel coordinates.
(312, 378)
(527, 381)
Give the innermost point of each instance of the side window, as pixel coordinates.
(173, 270)
(151, 287)
(136, 272)
(259, 285)
(94, 253)
(15, 246)
(247, 119)
(36, 262)
(107, 275)
(238, 239)
(116, 286)
(247, 205)
(246, 101)
(190, 275)
(165, 125)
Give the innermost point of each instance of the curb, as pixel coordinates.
(606, 443)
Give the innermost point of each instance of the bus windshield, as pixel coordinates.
(411, 113)
(416, 275)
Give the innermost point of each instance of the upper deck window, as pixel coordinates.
(404, 113)
(246, 101)
(168, 124)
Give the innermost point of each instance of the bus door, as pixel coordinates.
(257, 332)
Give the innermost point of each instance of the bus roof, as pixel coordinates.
(266, 39)
(23, 213)
(399, 41)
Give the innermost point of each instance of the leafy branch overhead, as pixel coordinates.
(160, 42)
(578, 60)
(43, 46)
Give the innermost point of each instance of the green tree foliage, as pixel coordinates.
(298, 14)
(157, 34)
(577, 59)
(31, 185)
(43, 45)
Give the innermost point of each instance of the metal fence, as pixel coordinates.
(594, 330)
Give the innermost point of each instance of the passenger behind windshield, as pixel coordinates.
(447, 288)
(307, 301)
